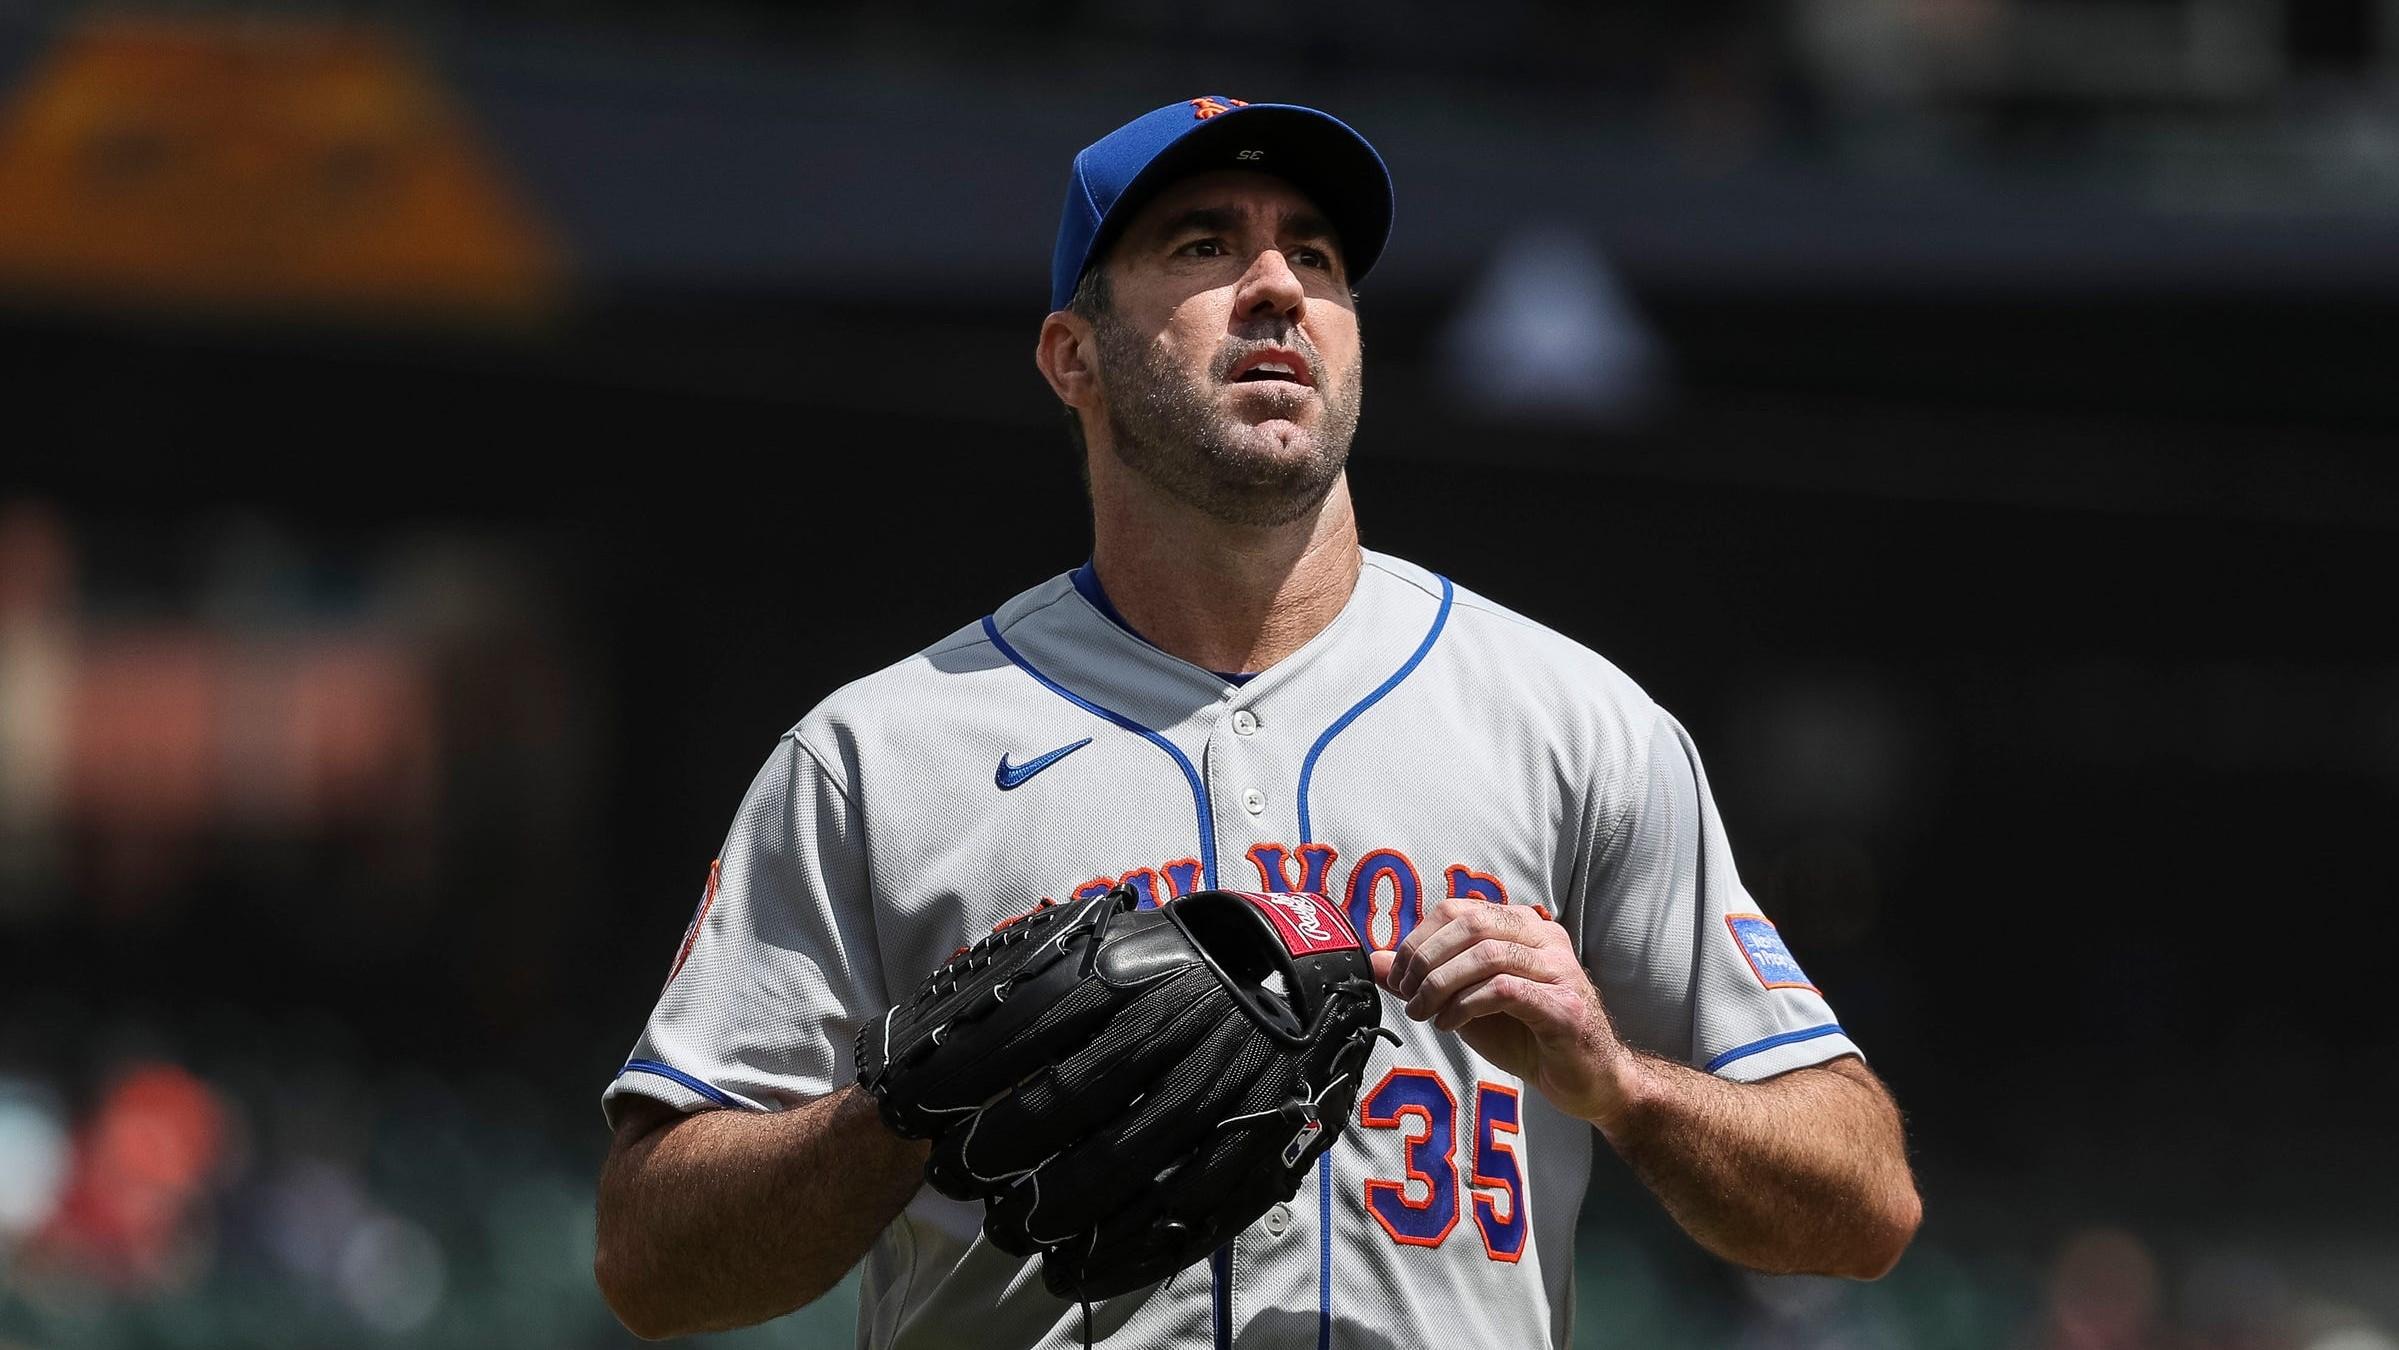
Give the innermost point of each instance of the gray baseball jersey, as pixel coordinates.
(1427, 744)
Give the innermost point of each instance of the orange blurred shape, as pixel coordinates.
(160, 1127)
(261, 164)
(140, 725)
(341, 730)
(367, 732)
(141, 1163)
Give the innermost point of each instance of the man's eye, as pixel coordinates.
(1309, 257)
(1204, 248)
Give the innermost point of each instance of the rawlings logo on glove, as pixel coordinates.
(1308, 923)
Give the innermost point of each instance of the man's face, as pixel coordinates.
(1229, 355)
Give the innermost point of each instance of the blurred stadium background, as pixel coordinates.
(448, 442)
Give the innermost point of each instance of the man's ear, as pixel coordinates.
(1067, 352)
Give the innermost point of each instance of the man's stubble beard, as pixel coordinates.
(1166, 427)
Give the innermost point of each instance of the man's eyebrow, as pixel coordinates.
(1309, 225)
(1225, 220)
(1213, 219)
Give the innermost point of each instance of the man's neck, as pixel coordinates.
(1224, 597)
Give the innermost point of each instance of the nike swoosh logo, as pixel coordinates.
(1014, 775)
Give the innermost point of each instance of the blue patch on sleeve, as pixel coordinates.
(1763, 948)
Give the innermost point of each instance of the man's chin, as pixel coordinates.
(1277, 457)
(1264, 473)
(1273, 436)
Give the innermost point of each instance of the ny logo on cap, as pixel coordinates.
(1204, 108)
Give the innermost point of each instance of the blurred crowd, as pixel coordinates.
(276, 1191)
(233, 1182)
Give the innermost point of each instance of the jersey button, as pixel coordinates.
(1245, 722)
(1253, 801)
(1278, 1220)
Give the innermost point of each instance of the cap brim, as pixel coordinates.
(1314, 151)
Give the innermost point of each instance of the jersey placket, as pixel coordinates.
(1241, 763)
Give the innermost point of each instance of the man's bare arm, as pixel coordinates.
(1805, 1171)
(727, 1218)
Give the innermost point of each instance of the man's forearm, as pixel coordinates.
(727, 1218)
(1805, 1172)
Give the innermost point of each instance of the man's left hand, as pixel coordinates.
(1507, 980)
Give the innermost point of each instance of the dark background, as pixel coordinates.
(1974, 421)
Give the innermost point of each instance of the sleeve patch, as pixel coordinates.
(1763, 948)
(699, 915)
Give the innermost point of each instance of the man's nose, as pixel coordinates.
(1270, 289)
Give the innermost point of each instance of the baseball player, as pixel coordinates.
(1231, 693)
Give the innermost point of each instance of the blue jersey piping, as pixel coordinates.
(1307, 835)
(1220, 1301)
(1324, 1251)
(1220, 1265)
(1199, 789)
(675, 1075)
(1307, 768)
(1771, 1042)
(1087, 582)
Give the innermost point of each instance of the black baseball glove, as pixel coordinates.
(1129, 1088)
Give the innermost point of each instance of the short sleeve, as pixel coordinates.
(1689, 965)
(780, 965)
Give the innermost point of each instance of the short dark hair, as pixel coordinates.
(1091, 301)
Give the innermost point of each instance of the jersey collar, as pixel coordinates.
(1087, 581)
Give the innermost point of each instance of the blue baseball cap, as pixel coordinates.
(1315, 151)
